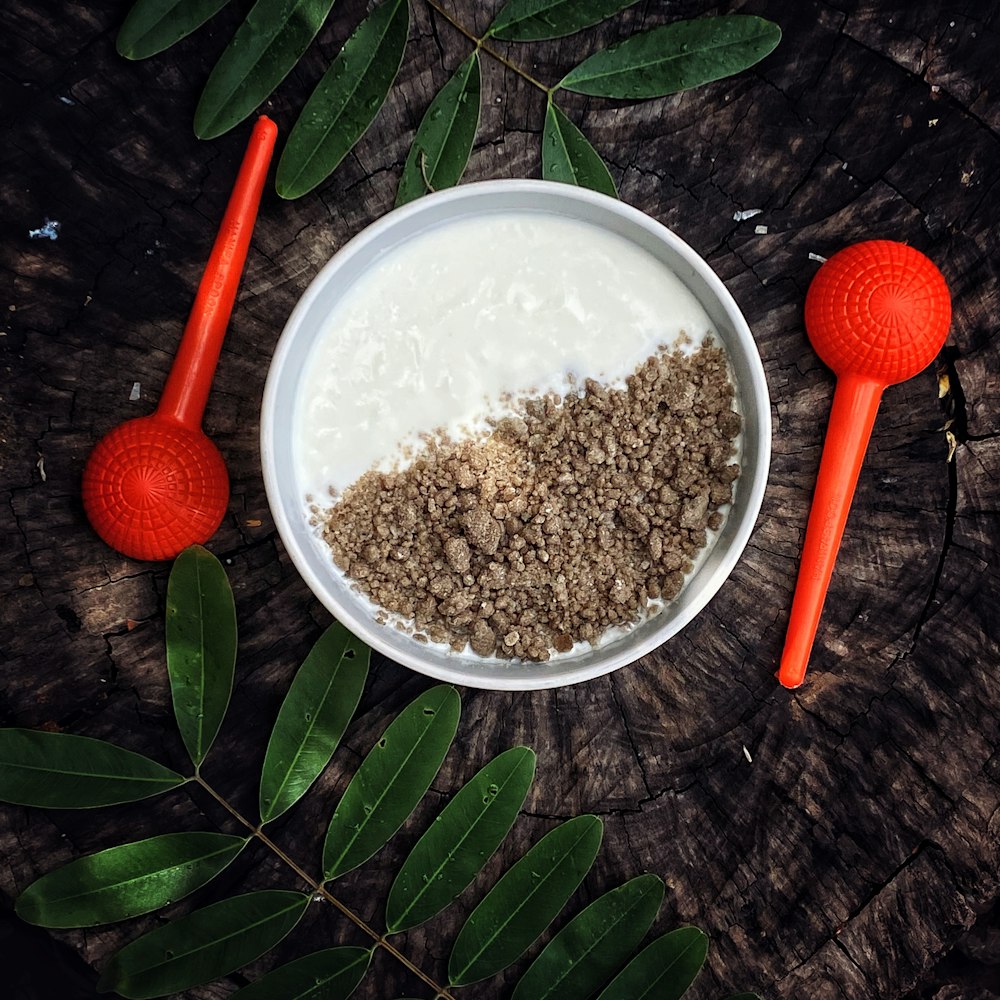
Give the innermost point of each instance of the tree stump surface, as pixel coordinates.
(835, 842)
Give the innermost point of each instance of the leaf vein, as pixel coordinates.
(385, 791)
(325, 132)
(175, 779)
(502, 926)
(454, 850)
(569, 80)
(451, 124)
(305, 739)
(238, 932)
(106, 887)
(272, 36)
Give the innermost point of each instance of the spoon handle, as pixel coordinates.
(186, 391)
(855, 403)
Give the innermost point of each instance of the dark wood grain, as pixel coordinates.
(862, 840)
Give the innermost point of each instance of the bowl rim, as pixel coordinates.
(460, 673)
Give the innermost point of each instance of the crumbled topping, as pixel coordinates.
(566, 520)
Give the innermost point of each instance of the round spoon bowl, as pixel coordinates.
(878, 309)
(153, 486)
(279, 442)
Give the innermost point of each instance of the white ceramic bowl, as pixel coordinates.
(286, 494)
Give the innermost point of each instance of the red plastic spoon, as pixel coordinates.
(877, 313)
(156, 484)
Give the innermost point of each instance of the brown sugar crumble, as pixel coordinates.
(566, 520)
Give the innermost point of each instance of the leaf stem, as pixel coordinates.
(480, 43)
(319, 888)
(423, 172)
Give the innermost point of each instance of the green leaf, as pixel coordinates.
(154, 25)
(567, 156)
(60, 771)
(127, 880)
(203, 945)
(443, 142)
(675, 57)
(534, 20)
(262, 53)
(346, 101)
(312, 719)
(391, 780)
(525, 901)
(461, 840)
(201, 647)
(594, 944)
(333, 974)
(663, 970)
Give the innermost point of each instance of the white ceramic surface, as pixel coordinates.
(284, 383)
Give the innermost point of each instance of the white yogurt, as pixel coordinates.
(456, 321)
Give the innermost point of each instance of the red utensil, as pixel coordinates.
(156, 484)
(877, 313)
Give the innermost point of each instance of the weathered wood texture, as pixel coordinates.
(862, 841)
